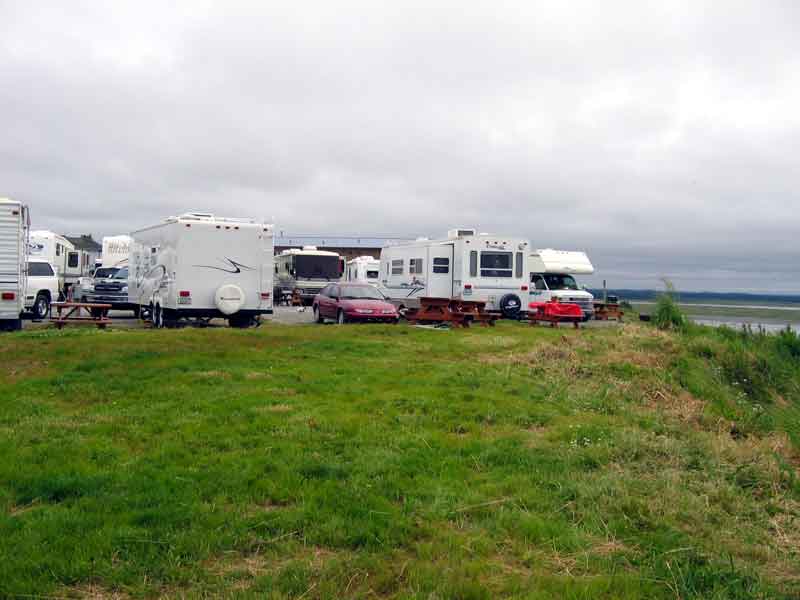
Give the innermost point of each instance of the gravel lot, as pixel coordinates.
(285, 315)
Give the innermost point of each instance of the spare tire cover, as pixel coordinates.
(510, 305)
(229, 298)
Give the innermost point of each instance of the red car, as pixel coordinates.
(346, 302)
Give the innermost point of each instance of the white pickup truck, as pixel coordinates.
(552, 277)
(42, 288)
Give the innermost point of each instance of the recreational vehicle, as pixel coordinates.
(552, 278)
(199, 266)
(464, 266)
(14, 227)
(363, 269)
(70, 264)
(304, 272)
(116, 249)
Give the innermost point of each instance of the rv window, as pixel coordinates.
(72, 260)
(372, 274)
(496, 264)
(58, 249)
(415, 266)
(473, 263)
(441, 265)
(397, 267)
(518, 265)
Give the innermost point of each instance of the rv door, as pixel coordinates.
(440, 271)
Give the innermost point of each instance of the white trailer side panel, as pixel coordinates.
(13, 257)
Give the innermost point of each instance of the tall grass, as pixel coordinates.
(667, 314)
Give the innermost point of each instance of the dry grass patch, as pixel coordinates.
(213, 374)
(275, 408)
(92, 592)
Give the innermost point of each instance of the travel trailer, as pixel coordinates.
(305, 272)
(116, 249)
(363, 269)
(199, 266)
(552, 278)
(70, 264)
(464, 266)
(14, 228)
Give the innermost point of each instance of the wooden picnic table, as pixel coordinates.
(603, 311)
(458, 313)
(73, 313)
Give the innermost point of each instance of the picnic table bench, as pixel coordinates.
(73, 312)
(458, 313)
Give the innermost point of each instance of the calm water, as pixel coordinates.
(771, 325)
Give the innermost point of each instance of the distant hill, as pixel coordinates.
(633, 295)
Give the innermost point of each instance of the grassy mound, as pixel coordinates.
(354, 462)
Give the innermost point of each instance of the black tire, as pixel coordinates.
(318, 318)
(41, 307)
(510, 306)
(137, 311)
(158, 319)
(240, 321)
(341, 319)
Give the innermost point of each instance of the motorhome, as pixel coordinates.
(305, 271)
(464, 266)
(200, 266)
(70, 264)
(116, 249)
(14, 228)
(552, 278)
(363, 269)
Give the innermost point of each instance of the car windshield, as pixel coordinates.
(360, 292)
(561, 282)
(103, 272)
(121, 274)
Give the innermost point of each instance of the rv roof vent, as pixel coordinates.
(309, 247)
(457, 233)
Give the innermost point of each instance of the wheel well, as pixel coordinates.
(45, 293)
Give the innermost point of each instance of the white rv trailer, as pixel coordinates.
(199, 266)
(14, 228)
(116, 249)
(464, 266)
(552, 278)
(363, 269)
(305, 271)
(70, 264)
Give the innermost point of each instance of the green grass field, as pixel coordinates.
(398, 462)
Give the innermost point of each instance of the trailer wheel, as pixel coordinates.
(240, 321)
(158, 321)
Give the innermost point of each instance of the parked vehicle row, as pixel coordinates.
(198, 266)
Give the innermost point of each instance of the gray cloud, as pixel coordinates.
(661, 139)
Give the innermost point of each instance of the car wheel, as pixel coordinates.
(317, 316)
(340, 318)
(41, 307)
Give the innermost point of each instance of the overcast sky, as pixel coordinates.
(661, 137)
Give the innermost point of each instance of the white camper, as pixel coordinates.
(70, 264)
(305, 271)
(199, 266)
(552, 277)
(363, 269)
(14, 227)
(464, 266)
(116, 249)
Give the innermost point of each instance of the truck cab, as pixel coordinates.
(42, 288)
(553, 278)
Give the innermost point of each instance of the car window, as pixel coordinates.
(334, 293)
(36, 269)
(361, 292)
